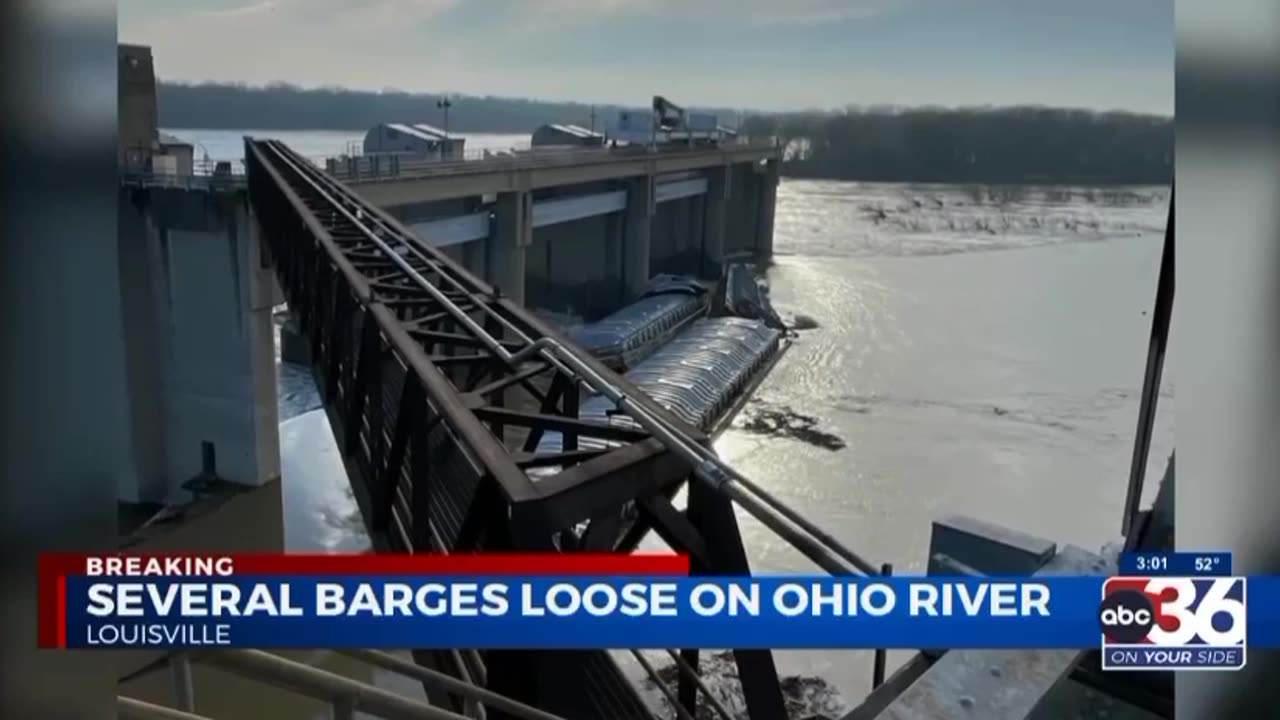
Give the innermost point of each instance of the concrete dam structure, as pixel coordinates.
(582, 231)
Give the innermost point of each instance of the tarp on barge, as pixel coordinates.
(629, 335)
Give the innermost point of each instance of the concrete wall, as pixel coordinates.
(248, 521)
(590, 267)
(186, 158)
(197, 297)
(570, 268)
(137, 106)
(456, 253)
(741, 212)
(676, 237)
(474, 258)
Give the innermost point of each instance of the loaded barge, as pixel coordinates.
(684, 346)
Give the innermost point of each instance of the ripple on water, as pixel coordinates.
(816, 218)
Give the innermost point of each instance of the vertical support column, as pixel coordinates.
(474, 252)
(768, 199)
(713, 515)
(691, 248)
(636, 237)
(615, 226)
(263, 294)
(512, 234)
(718, 193)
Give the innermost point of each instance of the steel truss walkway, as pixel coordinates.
(438, 391)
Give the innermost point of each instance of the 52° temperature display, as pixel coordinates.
(1177, 564)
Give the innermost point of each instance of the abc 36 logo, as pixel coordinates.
(1173, 611)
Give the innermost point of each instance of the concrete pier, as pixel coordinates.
(715, 204)
(767, 205)
(512, 236)
(196, 299)
(636, 236)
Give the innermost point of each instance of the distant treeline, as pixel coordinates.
(981, 145)
(285, 107)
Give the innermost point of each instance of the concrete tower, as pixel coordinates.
(137, 107)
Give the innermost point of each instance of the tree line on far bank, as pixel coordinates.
(1014, 145)
(969, 145)
(219, 106)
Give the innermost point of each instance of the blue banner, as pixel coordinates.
(604, 612)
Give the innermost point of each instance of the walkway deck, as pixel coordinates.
(388, 181)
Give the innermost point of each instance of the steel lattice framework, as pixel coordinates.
(437, 395)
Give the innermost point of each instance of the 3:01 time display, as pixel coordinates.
(1151, 563)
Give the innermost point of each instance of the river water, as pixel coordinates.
(974, 351)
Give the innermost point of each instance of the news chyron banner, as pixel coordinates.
(582, 601)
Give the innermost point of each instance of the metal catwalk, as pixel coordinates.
(439, 391)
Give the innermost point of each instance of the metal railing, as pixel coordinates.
(381, 167)
(187, 182)
(345, 694)
(348, 696)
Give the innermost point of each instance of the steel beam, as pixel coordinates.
(562, 210)
(426, 409)
(668, 191)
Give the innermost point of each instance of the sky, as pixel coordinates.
(749, 54)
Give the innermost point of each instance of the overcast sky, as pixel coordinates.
(757, 54)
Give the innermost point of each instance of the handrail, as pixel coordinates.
(395, 167)
(259, 665)
(187, 182)
(448, 683)
(345, 693)
(128, 708)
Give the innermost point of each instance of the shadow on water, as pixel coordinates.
(762, 418)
